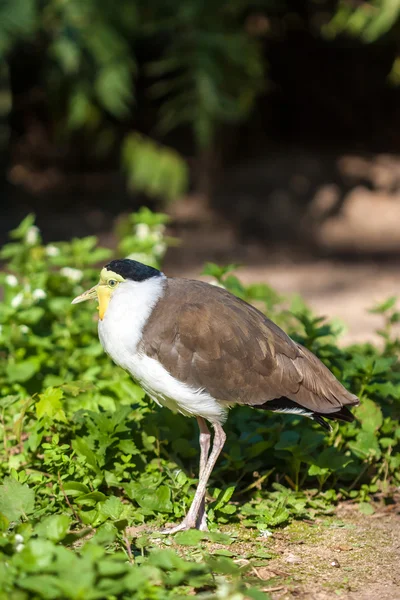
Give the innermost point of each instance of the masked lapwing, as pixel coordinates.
(198, 350)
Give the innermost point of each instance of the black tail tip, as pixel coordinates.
(341, 415)
(318, 419)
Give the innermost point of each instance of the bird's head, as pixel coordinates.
(113, 275)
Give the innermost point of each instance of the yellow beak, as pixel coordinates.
(88, 295)
(102, 292)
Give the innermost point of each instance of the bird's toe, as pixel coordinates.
(180, 527)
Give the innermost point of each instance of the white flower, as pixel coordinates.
(52, 250)
(19, 538)
(159, 248)
(39, 294)
(142, 231)
(265, 533)
(24, 329)
(19, 547)
(32, 235)
(17, 300)
(158, 234)
(11, 280)
(139, 256)
(73, 275)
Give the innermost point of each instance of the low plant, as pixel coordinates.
(88, 464)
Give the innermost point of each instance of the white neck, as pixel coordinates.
(127, 313)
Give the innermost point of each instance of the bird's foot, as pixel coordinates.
(184, 526)
(188, 523)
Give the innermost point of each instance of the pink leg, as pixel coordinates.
(205, 437)
(191, 519)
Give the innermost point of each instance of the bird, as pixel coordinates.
(197, 349)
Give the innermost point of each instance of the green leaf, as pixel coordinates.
(366, 508)
(112, 508)
(67, 53)
(90, 499)
(113, 566)
(50, 405)
(7, 401)
(220, 538)
(16, 499)
(223, 565)
(22, 229)
(75, 488)
(113, 88)
(54, 527)
(224, 497)
(314, 470)
(166, 560)
(83, 450)
(157, 170)
(366, 445)
(288, 440)
(22, 371)
(278, 517)
(191, 537)
(370, 415)
(158, 500)
(384, 306)
(255, 594)
(4, 524)
(42, 586)
(75, 388)
(32, 315)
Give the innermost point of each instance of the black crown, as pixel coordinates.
(131, 269)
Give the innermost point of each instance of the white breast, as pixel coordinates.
(130, 306)
(120, 333)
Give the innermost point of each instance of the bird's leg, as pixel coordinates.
(205, 437)
(190, 521)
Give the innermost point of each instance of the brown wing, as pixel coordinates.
(211, 340)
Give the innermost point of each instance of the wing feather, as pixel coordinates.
(214, 341)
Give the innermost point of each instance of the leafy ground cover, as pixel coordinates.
(89, 468)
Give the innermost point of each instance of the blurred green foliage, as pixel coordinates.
(203, 68)
(86, 459)
(200, 63)
(368, 20)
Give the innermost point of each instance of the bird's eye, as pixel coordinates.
(112, 283)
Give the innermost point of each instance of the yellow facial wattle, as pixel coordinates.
(104, 294)
(103, 291)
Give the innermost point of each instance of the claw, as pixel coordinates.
(181, 527)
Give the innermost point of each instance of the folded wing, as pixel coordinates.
(213, 341)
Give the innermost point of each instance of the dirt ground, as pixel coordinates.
(352, 556)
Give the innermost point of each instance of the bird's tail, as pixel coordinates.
(285, 405)
(341, 415)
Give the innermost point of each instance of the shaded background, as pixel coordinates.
(268, 130)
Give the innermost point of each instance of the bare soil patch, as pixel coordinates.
(352, 556)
